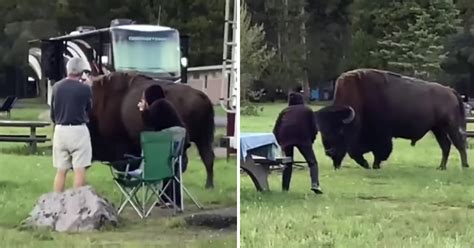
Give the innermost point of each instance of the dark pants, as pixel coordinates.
(308, 154)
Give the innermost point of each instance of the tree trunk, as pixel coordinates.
(467, 22)
(305, 80)
(470, 86)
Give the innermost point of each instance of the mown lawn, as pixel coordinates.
(408, 203)
(23, 178)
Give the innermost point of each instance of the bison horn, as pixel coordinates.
(350, 118)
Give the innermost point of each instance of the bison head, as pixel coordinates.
(334, 123)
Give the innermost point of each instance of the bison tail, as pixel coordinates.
(208, 135)
(461, 109)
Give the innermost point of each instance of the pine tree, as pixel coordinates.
(413, 45)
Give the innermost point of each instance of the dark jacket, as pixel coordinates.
(296, 124)
(161, 115)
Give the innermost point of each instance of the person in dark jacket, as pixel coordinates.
(296, 127)
(159, 114)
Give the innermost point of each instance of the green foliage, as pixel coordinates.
(459, 62)
(409, 34)
(24, 20)
(250, 109)
(466, 8)
(254, 52)
(328, 39)
(284, 22)
(460, 56)
(202, 20)
(359, 55)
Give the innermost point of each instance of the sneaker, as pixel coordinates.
(316, 189)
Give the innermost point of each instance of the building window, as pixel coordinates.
(195, 75)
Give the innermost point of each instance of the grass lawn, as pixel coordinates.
(408, 203)
(24, 178)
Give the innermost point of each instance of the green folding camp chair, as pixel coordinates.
(156, 165)
(161, 152)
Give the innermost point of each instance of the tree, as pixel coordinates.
(202, 20)
(460, 60)
(466, 8)
(23, 20)
(328, 39)
(254, 52)
(410, 35)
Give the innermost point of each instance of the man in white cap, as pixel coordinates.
(71, 102)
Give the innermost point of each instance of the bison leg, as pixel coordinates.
(376, 164)
(382, 150)
(207, 155)
(459, 141)
(359, 158)
(445, 144)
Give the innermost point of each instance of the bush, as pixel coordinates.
(251, 110)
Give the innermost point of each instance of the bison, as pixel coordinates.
(371, 107)
(115, 121)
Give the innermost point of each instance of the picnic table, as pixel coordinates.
(469, 133)
(259, 151)
(32, 139)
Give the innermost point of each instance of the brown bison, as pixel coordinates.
(115, 121)
(373, 106)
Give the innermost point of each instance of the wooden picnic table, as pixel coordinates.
(32, 139)
(469, 133)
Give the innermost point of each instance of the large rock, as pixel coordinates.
(72, 211)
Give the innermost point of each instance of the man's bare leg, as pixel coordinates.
(79, 177)
(59, 180)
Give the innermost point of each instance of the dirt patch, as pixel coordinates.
(219, 218)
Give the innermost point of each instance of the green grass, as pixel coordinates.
(24, 178)
(408, 203)
(219, 111)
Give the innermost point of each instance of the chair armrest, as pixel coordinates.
(130, 156)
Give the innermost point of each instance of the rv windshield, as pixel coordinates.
(156, 53)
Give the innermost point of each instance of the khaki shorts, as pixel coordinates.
(71, 147)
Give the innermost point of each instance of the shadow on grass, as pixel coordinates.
(8, 185)
(25, 150)
(376, 198)
(250, 194)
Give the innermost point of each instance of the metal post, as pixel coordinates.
(181, 182)
(33, 144)
(229, 66)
